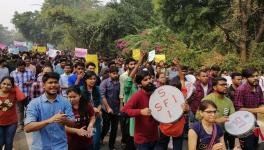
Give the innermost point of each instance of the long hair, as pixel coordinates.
(84, 114)
(95, 92)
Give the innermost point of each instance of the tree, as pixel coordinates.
(241, 21)
(30, 26)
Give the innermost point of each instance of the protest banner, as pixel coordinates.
(2, 46)
(41, 49)
(18, 43)
(13, 50)
(52, 52)
(80, 52)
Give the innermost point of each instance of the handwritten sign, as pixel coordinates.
(80, 52)
(165, 104)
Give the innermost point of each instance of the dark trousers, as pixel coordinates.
(164, 141)
(249, 143)
(146, 146)
(7, 134)
(229, 141)
(130, 145)
(21, 108)
(107, 120)
(126, 138)
(124, 124)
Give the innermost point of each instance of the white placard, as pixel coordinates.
(165, 104)
(151, 55)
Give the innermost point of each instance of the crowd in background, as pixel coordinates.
(68, 105)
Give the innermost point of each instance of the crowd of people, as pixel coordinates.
(67, 105)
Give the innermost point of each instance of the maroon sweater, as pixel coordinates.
(146, 128)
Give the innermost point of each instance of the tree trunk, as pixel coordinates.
(243, 51)
(243, 42)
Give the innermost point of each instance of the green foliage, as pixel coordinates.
(85, 23)
(7, 37)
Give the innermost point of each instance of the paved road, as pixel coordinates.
(23, 140)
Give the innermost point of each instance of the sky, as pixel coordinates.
(8, 8)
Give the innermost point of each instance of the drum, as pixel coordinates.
(240, 124)
(165, 104)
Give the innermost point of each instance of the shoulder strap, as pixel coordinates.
(209, 147)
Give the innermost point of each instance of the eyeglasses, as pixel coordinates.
(211, 112)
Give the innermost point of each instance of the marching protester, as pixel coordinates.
(206, 134)
(130, 65)
(37, 86)
(30, 66)
(203, 87)
(23, 79)
(176, 129)
(236, 82)
(91, 67)
(224, 105)
(249, 97)
(110, 89)
(91, 93)
(77, 77)
(60, 67)
(130, 88)
(64, 79)
(138, 107)
(4, 71)
(9, 96)
(47, 116)
(80, 135)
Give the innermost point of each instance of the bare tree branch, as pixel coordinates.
(227, 34)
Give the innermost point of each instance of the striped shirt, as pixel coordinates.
(21, 78)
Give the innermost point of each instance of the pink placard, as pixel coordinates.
(80, 52)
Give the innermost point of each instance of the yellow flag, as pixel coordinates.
(160, 57)
(93, 58)
(136, 54)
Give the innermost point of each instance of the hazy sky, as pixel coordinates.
(8, 8)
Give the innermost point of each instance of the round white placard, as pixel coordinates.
(165, 104)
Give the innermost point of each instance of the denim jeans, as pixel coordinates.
(146, 146)
(7, 134)
(97, 134)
